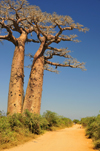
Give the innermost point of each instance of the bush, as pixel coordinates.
(66, 121)
(55, 120)
(17, 126)
(4, 124)
(7, 136)
(35, 122)
(97, 144)
(6, 133)
(76, 121)
(92, 125)
(90, 129)
(87, 121)
(14, 120)
(52, 118)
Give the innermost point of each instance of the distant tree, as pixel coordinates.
(76, 121)
(49, 29)
(13, 18)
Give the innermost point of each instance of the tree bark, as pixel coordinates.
(32, 100)
(15, 95)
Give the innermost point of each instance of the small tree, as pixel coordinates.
(76, 121)
(49, 29)
(13, 17)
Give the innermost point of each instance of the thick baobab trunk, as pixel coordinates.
(15, 95)
(33, 95)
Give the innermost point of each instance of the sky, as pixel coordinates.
(72, 93)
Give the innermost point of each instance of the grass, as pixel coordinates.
(18, 128)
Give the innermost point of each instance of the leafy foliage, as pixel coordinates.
(12, 127)
(35, 122)
(76, 121)
(92, 125)
(55, 120)
(52, 118)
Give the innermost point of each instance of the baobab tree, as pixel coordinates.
(13, 16)
(19, 16)
(49, 32)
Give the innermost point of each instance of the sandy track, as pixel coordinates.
(68, 139)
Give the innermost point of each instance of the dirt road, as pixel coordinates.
(68, 139)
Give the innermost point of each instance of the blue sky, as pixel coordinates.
(72, 93)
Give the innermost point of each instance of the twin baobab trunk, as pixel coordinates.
(33, 95)
(15, 95)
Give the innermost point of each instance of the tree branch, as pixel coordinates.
(59, 33)
(80, 65)
(6, 27)
(63, 52)
(8, 37)
(40, 31)
(58, 50)
(57, 40)
(20, 6)
(32, 40)
(49, 68)
(4, 37)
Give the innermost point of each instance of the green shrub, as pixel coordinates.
(7, 136)
(90, 129)
(55, 120)
(12, 127)
(76, 121)
(35, 122)
(97, 144)
(52, 118)
(66, 121)
(4, 124)
(92, 125)
(14, 120)
(87, 121)
(27, 113)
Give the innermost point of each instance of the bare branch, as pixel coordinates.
(40, 30)
(63, 52)
(59, 39)
(4, 37)
(60, 31)
(29, 66)
(32, 40)
(6, 27)
(20, 6)
(80, 65)
(46, 67)
(49, 68)
(67, 28)
(58, 50)
(8, 37)
(29, 55)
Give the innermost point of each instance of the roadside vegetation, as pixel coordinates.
(92, 125)
(76, 121)
(18, 128)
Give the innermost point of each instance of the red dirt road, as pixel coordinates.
(68, 139)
